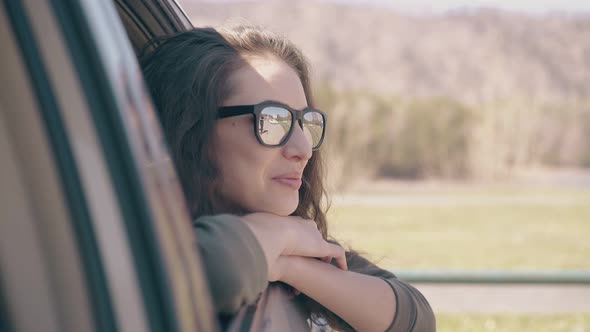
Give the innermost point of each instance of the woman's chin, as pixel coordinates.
(285, 206)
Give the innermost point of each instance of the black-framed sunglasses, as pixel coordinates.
(273, 122)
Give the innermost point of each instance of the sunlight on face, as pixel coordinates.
(255, 177)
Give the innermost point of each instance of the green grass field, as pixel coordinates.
(513, 323)
(472, 228)
(468, 229)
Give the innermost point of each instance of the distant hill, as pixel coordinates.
(467, 55)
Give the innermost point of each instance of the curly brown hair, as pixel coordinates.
(187, 75)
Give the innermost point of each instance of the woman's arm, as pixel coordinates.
(367, 303)
(368, 298)
(242, 254)
(373, 300)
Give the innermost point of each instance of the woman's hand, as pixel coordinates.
(290, 236)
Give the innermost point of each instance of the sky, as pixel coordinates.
(436, 6)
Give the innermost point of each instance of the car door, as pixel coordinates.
(94, 234)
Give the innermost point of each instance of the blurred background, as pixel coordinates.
(458, 140)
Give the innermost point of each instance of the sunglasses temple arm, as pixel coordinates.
(229, 111)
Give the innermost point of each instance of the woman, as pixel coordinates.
(237, 110)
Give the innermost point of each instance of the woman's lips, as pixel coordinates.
(290, 182)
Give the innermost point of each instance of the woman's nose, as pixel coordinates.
(298, 146)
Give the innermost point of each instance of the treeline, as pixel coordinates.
(372, 135)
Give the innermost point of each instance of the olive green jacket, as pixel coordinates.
(237, 273)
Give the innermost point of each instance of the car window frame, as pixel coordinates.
(169, 242)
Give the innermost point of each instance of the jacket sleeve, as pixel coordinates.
(233, 260)
(413, 313)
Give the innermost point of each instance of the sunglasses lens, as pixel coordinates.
(313, 127)
(274, 124)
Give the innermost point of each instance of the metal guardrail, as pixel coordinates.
(495, 276)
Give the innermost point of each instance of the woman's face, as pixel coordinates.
(255, 177)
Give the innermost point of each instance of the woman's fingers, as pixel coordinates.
(310, 243)
(338, 253)
(324, 251)
(341, 262)
(295, 237)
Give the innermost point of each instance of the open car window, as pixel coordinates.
(145, 20)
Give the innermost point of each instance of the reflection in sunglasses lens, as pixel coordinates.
(313, 127)
(273, 124)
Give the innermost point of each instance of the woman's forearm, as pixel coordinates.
(367, 303)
